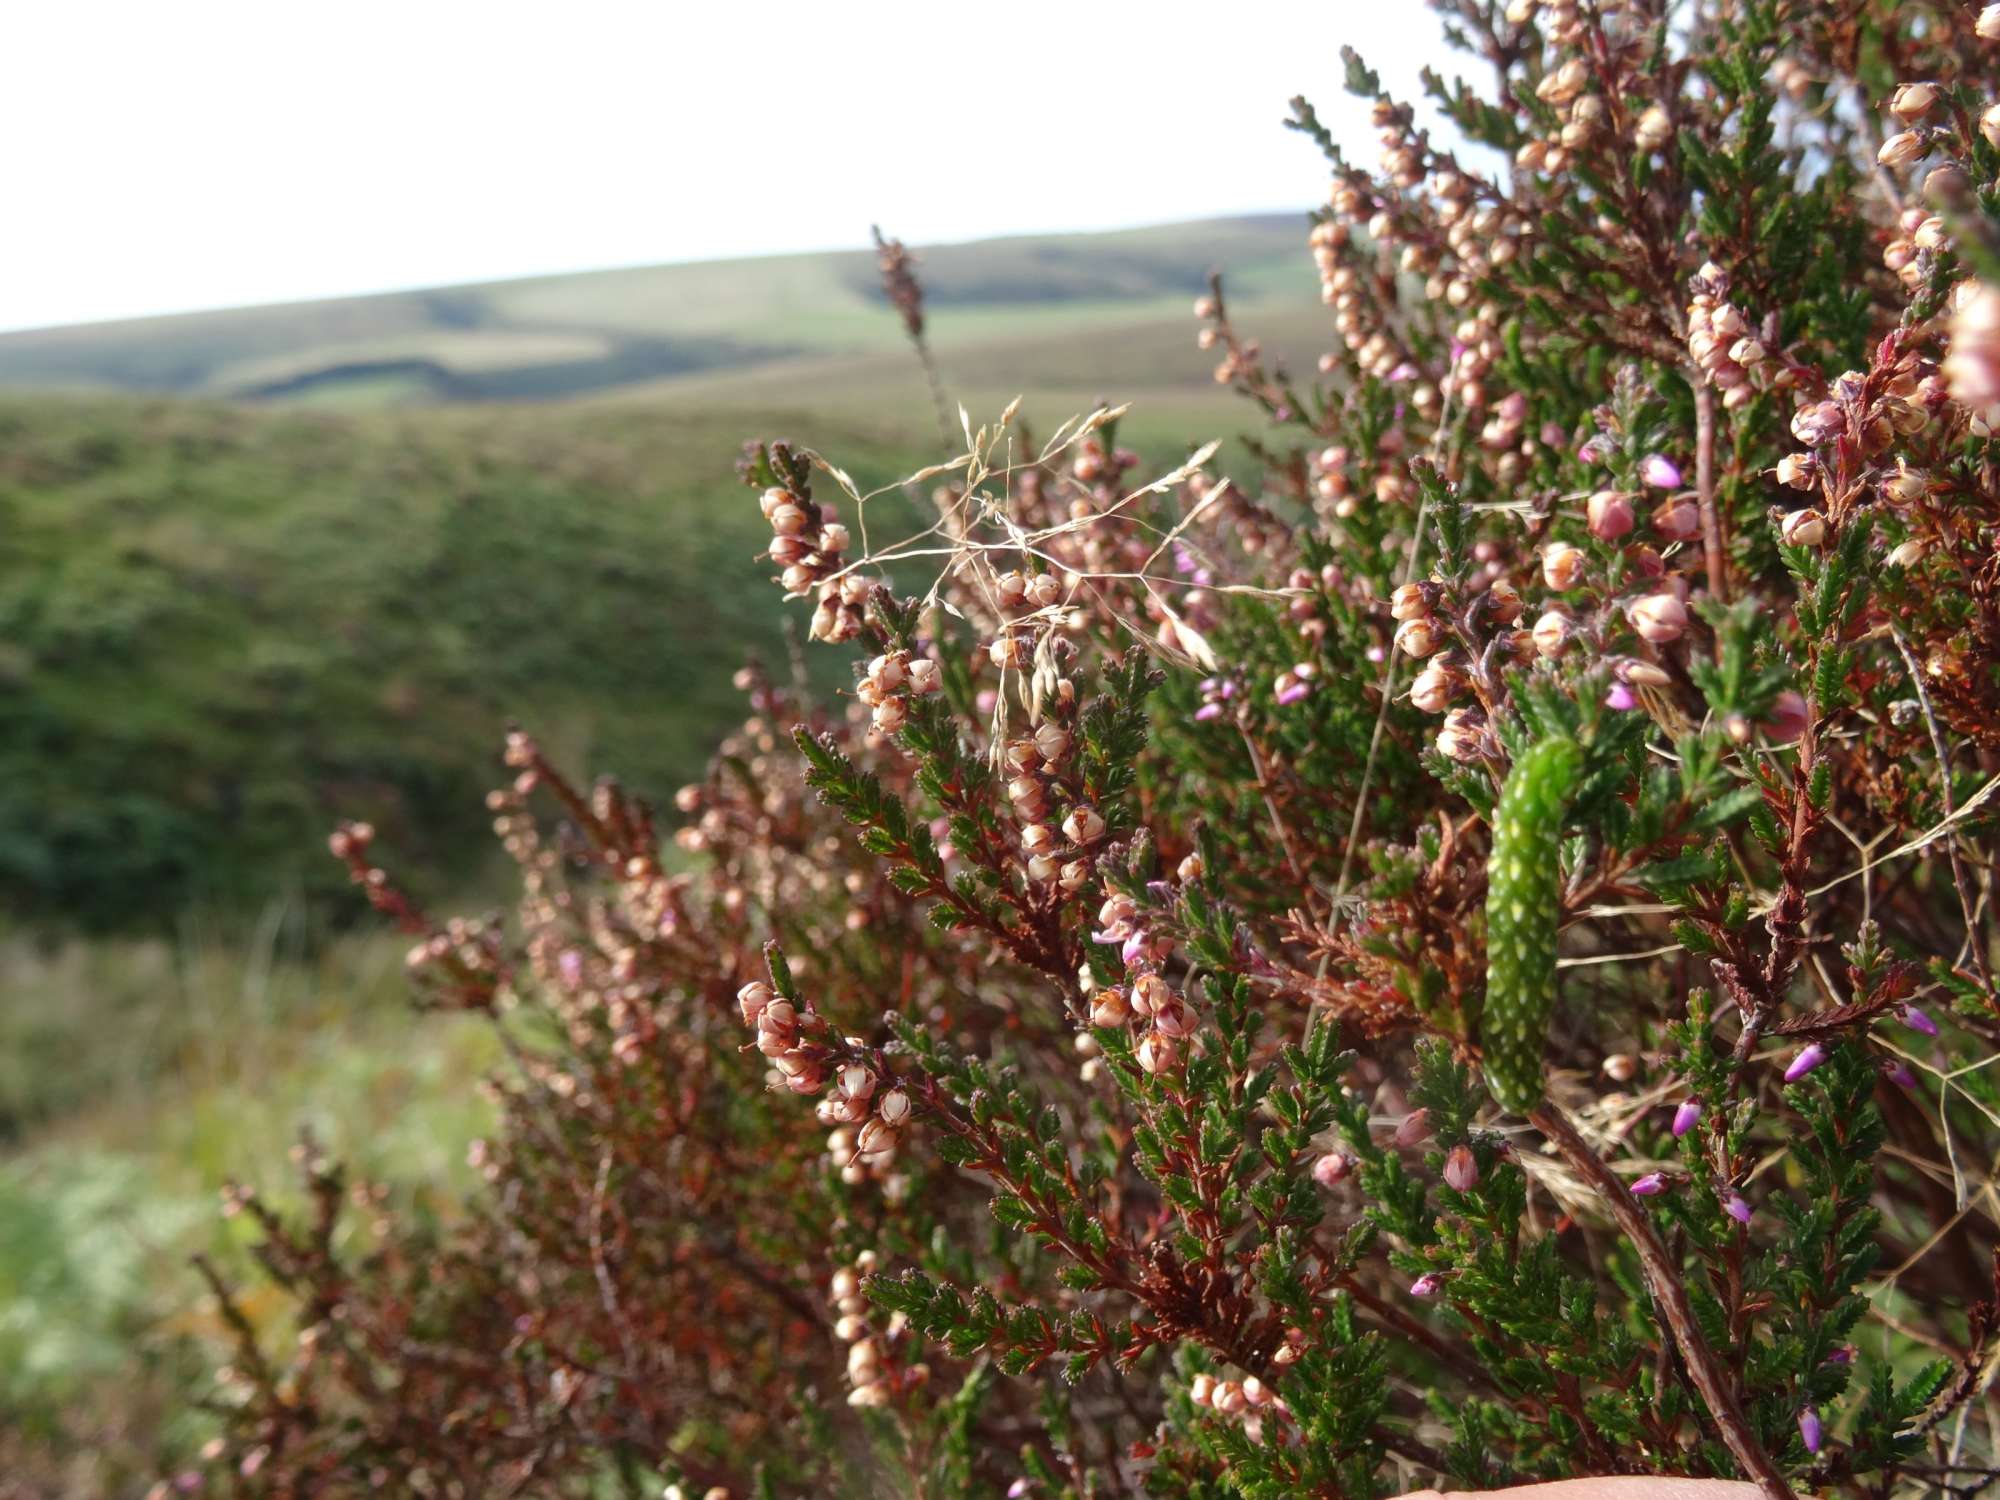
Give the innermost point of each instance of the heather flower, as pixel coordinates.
(1686, 1116)
(1736, 1206)
(1413, 1127)
(1609, 514)
(1650, 1185)
(1620, 696)
(1659, 618)
(1809, 1057)
(1427, 1285)
(1917, 1019)
(1810, 1432)
(1660, 472)
(1461, 1169)
(1330, 1168)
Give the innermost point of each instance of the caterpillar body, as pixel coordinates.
(1523, 905)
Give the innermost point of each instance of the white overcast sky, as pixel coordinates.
(167, 155)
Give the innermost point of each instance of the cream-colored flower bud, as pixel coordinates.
(1658, 618)
(1108, 1008)
(1563, 565)
(1912, 101)
(1798, 470)
(1420, 637)
(926, 676)
(1902, 148)
(1803, 528)
(1654, 130)
(1987, 27)
(1083, 826)
(1051, 741)
(1434, 688)
(1552, 633)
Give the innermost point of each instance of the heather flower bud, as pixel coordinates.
(1918, 1019)
(1660, 472)
(1503, 602)
(1413, 1127)
(1677, 520)
(833, 538)
(1420, 637)
(1552, 632)
(1461, 1169)
(1901, 149)
(1150, 993)
(1158, 1053)
(753, 998)
(1434, 688)
(1409, 602)
(890, 715)
(1109, 1008)
(1810, 1431)
(1987, 27)
(1562, 566)
(1989, 125)
(1427, 1285)
(856, 1081)
(1331, 1168)
(788, 520)
(1038, 838)
(1008, 651)
(1052, 741)
(1201, 1390)
(1228, 1397)
(1686, 1116)
(772, 498)
(1654, 130)
(1083, 826)
(1798, 470)
(926, 676)
(1912, 101)
(1650, 1185)
(1736, 1206)
(893, 1108)
(1659, 618)
(1463, 737)
(1809, 1057)
(1610, 515)
(1908, 554)
(1803, 528)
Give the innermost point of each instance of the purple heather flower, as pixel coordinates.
(1660, 472)
(1017, 1489)
(1375, 654)
(1402, 372)
(1810, 1431)
(1292, 692)
(1810, 1056)
(1736, 1206)
(1621, 697)
(1900, 1075)
(1553, 436)
(1916, 1019)
(1685, 1117)
(1652, 1184)
(1427, 1285)
(1207, 712)
(1844, 1355)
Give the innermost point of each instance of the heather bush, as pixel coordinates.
(1456, 951)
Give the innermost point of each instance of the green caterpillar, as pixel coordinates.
(1523, 902)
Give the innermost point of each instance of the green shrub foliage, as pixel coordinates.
(1053, 1068)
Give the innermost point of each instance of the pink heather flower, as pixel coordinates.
(1461, 1169)
(1660, 472)
(1651, 1185)
(1427, 1285)
(1844, 1355)
(1917, 1019)
(1207, 713)
(1621, 697)
(1736, 1206)
(1900, 1075)
(1413, 1128)
(1810, 1056)
(1330, 1168)
(1290, 688)
(1810, 1431)
(1686, 1116)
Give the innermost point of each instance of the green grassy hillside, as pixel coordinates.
(222, 626)
(567, 335)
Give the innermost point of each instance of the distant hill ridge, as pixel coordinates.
(603, 331)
